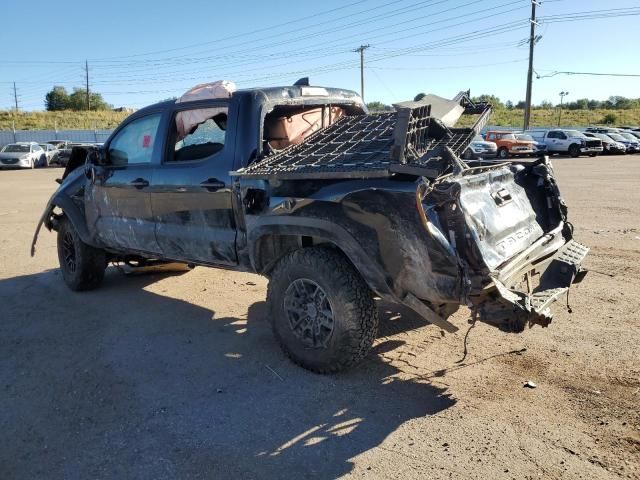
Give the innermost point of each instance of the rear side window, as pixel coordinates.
(134, 143)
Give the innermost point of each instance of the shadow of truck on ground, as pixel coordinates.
(125, 383)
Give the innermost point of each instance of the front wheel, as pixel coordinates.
(322, 312)
(503, 153)
(82, 265)
(574, 151)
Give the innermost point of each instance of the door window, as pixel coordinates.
(198, 134)
(134, 143)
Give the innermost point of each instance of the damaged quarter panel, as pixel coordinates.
(385, 236)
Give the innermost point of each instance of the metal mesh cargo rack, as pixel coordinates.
(374, 146)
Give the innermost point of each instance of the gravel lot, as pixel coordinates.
(177, 376)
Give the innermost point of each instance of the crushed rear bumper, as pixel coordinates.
(512, 309)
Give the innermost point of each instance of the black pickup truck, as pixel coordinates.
(335, 206)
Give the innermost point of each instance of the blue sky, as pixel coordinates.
(142, 51)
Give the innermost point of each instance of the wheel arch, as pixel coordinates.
(274, 238)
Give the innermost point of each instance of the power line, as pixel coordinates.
(599, 74)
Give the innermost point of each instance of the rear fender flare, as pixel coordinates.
(371, 272)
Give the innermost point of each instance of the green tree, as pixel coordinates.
(521, 105)
(609, 119)
(509, 105)
(419, 97)
(78, 100)
(376, 106)
(492, 99)
(57, 99)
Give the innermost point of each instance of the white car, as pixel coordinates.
(22, 155)
(51, 153)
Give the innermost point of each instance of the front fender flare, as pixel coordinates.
(70, 210)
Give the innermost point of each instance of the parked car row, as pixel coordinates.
(550, 141)
(617, 140)
(35, 155)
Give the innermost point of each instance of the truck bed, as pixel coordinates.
(370, 146)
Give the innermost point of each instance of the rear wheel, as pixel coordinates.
(82, 265)
(322, 312)
(503, 153)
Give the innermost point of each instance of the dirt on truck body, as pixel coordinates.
(335, 206)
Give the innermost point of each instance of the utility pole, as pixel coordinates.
(361, 49)
(562, 95)
(15, 95)
(86, 68)
(532, 41)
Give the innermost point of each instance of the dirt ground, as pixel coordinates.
(178, 377)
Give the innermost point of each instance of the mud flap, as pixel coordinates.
(513, 310)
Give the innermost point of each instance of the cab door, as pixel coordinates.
(118, 203)
(191, 189)
(552, 142)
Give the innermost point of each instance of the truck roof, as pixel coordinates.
(282, 95)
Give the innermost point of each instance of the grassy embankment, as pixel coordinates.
(65, 120)
(503, 117)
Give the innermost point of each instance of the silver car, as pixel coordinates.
(51, 153)
(22, 155)
(480, 148)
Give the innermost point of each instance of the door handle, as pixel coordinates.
(212, 184)
(139, 183)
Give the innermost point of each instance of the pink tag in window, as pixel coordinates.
(146, 141)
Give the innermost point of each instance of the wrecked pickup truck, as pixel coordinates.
(335, 206)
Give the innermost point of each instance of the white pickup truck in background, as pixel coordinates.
(565, 141)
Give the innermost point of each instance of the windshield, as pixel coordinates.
(478, 138)
(16, 148)
(574, 133)
(507, 136)
(526, 138)
(44, 145)
(616, 137)
(602, 136)
(628, 136)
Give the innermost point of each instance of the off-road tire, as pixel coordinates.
(503, 153)
(90, 262)
(574, 150)
(355, 316)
